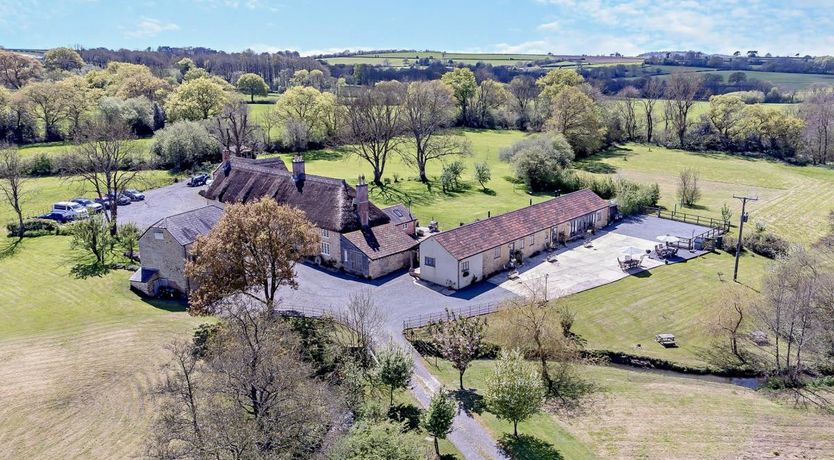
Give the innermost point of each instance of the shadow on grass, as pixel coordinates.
(324, 155)
(173, 306)
(642, 274)
(488, 191)
(405, 413)
(526, 447)
(10, 248)
(596, 167)
(89, 270)
(470, 401)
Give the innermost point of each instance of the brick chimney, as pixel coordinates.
(226, 154)
(298, 167)
(362, 201)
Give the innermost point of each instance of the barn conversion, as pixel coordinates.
(459, 257)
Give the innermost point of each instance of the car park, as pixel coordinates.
(197, 180)
(91, 205)
(70, 210)
(121, 201)
(134, 195)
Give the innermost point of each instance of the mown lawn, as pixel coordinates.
(643, 415)
(794, 202)
(143, 146)
(79, 356)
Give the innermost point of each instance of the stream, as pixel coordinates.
(752, 383)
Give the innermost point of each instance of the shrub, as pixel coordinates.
(633, 198)
(185, 144)
(450, 177)
(37, 226)
(729, 243)
(40, 164)
(767, 244)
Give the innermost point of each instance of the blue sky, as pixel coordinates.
(558, 26)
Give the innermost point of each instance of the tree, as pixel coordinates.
(427, 111)
(234, 131)
(393, 369)
(514, 389)
(652, 91)
(552, 83)
(681, 90)
(47, 100)
(817, 111)
(12, 183)
(138, 113)
(438, 418)
(488, 98)
(105, 157)
(246, 392)
(374, 125)
(16, 70)
(538, 159)
(463, 85)
(184, 144)
(575, 116)
(268, 240)
(311, 110)
(725, 115)
(253, 85)
(688, 190)
(78, 99)
(450, 177)
(482, 174)
(197, 99)
(733, 306)
(524, 91)
(127, 237)
(629, 97)
(772, 130)
(726, 215)
(93, 235)
(62, 59)
(363, 320)
(379, 441)
(459, 340)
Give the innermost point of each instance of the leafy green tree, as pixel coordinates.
(555, 81)
(450, 177)
(438, 418)
(394, 368)
(463, 85)
(514, 390)
(482, 173)
(184, 144)
(18, 69)
(576, 116)
(253, 85)
(379, 441)
(459, 340)
(196, 99)
(62, 59)
(128, 238)
(93, 235)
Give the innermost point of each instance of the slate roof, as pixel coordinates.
(381, 241)
(327, 202)
(187, 226)
(477, 237)
(399, 214)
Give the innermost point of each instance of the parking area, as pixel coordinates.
(578, 267)
(163, 202)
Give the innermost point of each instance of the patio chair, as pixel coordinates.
(621, 264)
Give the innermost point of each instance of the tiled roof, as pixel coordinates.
(477, 237)
(187, 226)
(327, 202)
(398, 214)
(381, 241)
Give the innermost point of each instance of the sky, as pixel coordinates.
(519, 26)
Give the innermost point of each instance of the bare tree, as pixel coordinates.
(732, 317)
(818, 134)
(374, 125)
(489, 96)
(234, 131)
(652, 92)
(524, 91)
(48, 101)
(681, 90)
(627, 105)
(364, 320)
(17, 69)
(11, 183)
(689, 192)
(105, 157)
(270, 120)
(428, 109)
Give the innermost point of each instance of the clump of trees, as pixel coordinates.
(184, 144)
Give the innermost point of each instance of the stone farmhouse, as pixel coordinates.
(464, 255)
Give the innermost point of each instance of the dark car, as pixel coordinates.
(58, 217)
(92, 206)
(134, 195)
(197, 180)
(105, 200)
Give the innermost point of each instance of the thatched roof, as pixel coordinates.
(328, 203)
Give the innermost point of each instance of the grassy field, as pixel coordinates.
(143, 146)
(785, 81)
(77, 356)
(404, 59)
(793, 201)
(642, 415)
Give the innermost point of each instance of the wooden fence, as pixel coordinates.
(691, 219)
(414, 322)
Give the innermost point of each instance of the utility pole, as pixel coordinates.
(742, 220)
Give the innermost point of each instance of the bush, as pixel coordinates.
(633, 198)
(767, 244)
(450, 177)
(728, 244)
(40, 164)
(185, 144)
(37, 226)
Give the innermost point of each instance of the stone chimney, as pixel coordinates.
(226, 154)
(362, 201)
(298, 167)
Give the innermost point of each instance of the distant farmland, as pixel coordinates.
(784, 80)
(407, 58)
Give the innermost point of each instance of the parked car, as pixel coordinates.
(56, 217)
(70, 210)
(91, 205)
(197, 180)
(134, 195)
(105, 200)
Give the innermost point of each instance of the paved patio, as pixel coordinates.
(579, 268)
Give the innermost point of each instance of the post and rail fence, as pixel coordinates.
(414, 322)
(679, 216)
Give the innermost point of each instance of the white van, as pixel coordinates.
(70, 210)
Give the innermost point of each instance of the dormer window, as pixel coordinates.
(325, 233)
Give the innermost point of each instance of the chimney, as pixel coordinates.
(298, 167)
(362, 201)
(226, 154)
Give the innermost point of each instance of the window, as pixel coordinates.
(496, 253)
(397, 212)
(325, 248)
(464, 266)
(521, 243)
(429, 261)
(325, 233)
(532, 240)
(598, 217)
(157, 235)
(405, 226)
(345, 254)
